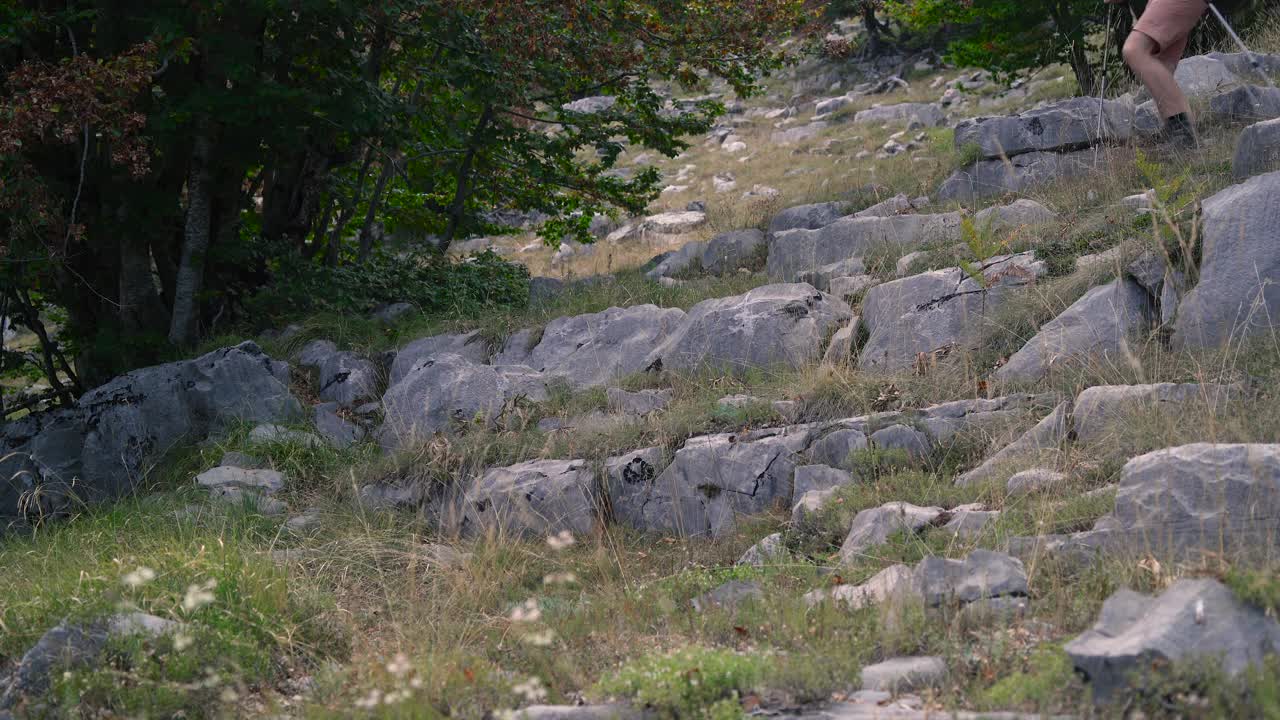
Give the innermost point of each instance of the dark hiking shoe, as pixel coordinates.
(1180, 133)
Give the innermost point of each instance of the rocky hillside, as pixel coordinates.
(928, 399)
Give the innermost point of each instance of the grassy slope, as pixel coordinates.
(339, 605)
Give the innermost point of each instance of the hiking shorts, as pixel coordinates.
(1169, 23)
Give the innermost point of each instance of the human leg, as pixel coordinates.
(1142, 55)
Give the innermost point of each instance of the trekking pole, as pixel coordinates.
(1102, 93)
(1253, 59)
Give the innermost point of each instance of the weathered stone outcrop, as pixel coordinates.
(992, 178)
(796, 251)
(470, 346)
(1068, 125)
(534, 499)
(1257, 150)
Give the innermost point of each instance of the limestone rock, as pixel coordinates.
(840, 350)
(1066, 125)
(1194, 619)
(851, 286)
(834, 448)
(928, 114)
(822, 277)
(675, 223)
(1238, 294)
(629, 481)
(991, 178)
(1035, 480)
(769, 550)
(904, 674)
(807, 217)
(644, 402)
(1257, 150)
(819, 477)
(1099, 407)
(1095, 327)
(597, 348)
(873, 526)
(771, 325)
(983, 574)
(1246, 104)
(470, 346)
(796, 251)
(727, 252)
(337, 430)
(729, 596)
(344, 377)
(1020, 213)
(533, 499)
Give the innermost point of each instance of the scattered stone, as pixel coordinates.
(1020, 213)
(216, 479)
(904, 674)
(268, 434)
(1096, 327)
(580, 712)
(232, 458)
(1246, 104)
(1238, 295)
(830, 105)
(391, 312)
(896, 205)
(807, 217)
(808, 504)
(1035, 480)
(766, 552)
(737, 402)
(396, 496)
(928, 114)
(770, 325)
(892, 583)
(304, 522)
(821, 277)
(983, 574)
(729, 596)
(969, 524)
(840, 351)
(533, 499)
(873, 526)
(644, 402)
(344, 377)
(337, 430)
(724, 182)
(1195, 619)
(900, 437)
(1257, 150)
(629, 482)
(675, 223)
(791, 136)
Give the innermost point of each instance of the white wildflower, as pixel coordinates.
(372, 700)
(561, 540)
(540, 639)
(526, 612)
(182, 641)
(560, 578)
(198, 595)
(139, 577)
(531, 690)
(399, 665)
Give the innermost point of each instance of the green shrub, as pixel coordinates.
(690, 682)
(430, 282)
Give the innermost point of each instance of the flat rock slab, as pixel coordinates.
(729, 596)
(1097, 409)
(467, 345)
(769, 550)
(873, 526)
(905, 674)
(796, 251)
(1048, 434)
(643, 402)
(675, 223)
(807, 217)
(1257, 150)
(1193, 620)
(928, 114)
(267, 482)
(983, 574)
(1066, 125)
(1020, 173)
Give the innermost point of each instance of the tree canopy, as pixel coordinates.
(162, 161)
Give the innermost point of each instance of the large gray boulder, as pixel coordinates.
(1019, 214)
(629, 480)
(727, 252)
(1246, 104)
(595, 349)
(467, 345)
(810, 478)
(1238, 295)
(1068, 125)
(1257, 150)
(770, 325)
(983, 574)
(684, 259)
(1194, 620)
(447, 390)
(936, 311)
(533, 499)
(1098, 408)
(1095, 327)
(101, 447)
(807, 217)
(711, 481)
(992, 178)
(873, 526)
(929, 114)
(73, 646)
(796, 251)
(344, 377)
(1201, 497)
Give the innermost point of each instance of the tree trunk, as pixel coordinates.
(195, 239)
(366, 230)
(463, 189)
(872, 26)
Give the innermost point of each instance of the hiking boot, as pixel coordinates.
(1179, 132)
